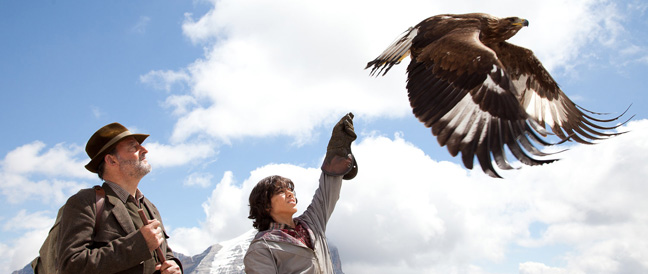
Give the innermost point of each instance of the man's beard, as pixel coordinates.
(134, 168)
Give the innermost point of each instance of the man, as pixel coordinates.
(122, 243)
(298, 245)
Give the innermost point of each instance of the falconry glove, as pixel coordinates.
(339, 159)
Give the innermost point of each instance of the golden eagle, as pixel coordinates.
(479, 93)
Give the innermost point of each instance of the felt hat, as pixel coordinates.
(104, 140)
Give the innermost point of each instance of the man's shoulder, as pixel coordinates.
(84, 195)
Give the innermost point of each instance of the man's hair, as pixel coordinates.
(261, 196)
(102, 165)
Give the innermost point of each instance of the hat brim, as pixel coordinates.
(93, 165)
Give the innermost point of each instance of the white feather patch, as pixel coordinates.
(490, 84)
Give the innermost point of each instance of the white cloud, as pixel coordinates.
(21, 250)
(42, 176)
(407, 212)
(165, 80)
(191, 240)
(180, 104)
(23, 220)
(538, 268)
(199, 179)
(162, 155)
(28, 172)
(57, 161)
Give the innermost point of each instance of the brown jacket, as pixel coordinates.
(117, 246)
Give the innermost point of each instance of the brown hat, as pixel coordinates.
(104, 140)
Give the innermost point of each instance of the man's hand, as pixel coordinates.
(152, 233)
(169, 267)
(339, 160)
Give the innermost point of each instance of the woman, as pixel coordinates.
(298, 245)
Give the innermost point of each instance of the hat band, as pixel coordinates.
(114, 140)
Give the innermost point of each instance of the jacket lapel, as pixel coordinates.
(151, 209)
(120, 212)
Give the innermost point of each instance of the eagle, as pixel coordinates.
(480, 94)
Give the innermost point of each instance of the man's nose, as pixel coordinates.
(143, 149)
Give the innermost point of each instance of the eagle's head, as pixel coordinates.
(501, 29)
(509, 26)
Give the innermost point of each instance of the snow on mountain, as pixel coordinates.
(225, 257)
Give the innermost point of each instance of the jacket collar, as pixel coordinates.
(275, 233)
(119, 209)
(123, 194)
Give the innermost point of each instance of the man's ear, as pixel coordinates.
(110, 159)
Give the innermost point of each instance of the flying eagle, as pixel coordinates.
(478, 92)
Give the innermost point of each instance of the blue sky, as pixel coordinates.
(233, 91)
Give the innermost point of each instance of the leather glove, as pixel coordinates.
(339, 159)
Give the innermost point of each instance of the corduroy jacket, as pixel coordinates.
(117, 247)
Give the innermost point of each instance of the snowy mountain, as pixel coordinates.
(26, 270)
(222, 258)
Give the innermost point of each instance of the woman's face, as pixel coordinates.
(283, 202)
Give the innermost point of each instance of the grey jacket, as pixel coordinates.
(268, 253)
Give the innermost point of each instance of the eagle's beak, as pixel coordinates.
(521, 22)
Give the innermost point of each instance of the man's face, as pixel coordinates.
(132, 158)
(283, 202)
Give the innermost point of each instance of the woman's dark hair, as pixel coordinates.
(261, 196)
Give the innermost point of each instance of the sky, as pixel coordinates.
(233, 91)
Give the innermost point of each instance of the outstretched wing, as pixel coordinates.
(459, 88)
(394, 54)
(545, 102)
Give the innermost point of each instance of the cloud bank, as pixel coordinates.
(408, 213)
